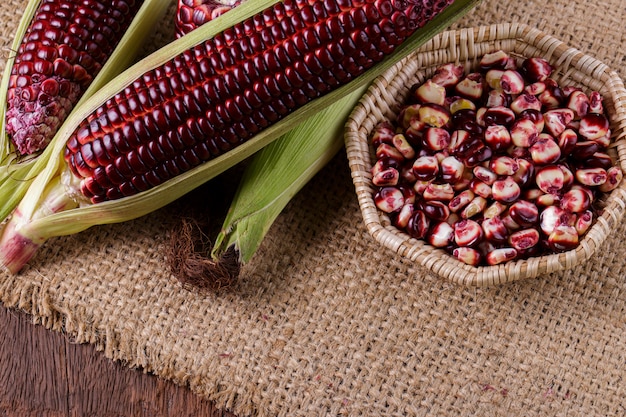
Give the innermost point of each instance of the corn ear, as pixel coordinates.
(29, 224)
(16, 173)
(277, 172)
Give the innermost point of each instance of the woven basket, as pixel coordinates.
(382, 102)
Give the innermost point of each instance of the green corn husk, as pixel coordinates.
(17, 173)
(46, 211)
(276, 174)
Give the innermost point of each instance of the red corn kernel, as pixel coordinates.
(552, 97)
(536, 69)
(461, 200)
(439, 192)
(499, 115)
(408, 115)
(382, 133)
(467, 232)
(461, 104)
(441, 235)
(512, 82)
(430, 92)
(498, 60)
(595, 103)
(505, 190)
(385, 150)
(389, 199)
(436, 210)
(453, 218)
(387, 177)
(604, 141)
(408, 193)
(524, 239)
(500, 255)
(557, 120)
(496, 98)
(575, 201)
(480, 116)
(460, 139)
(546, 200)
(480, 188)
(567, 141)
(493, 77)
(495, 230)
(495, 209)
(474, 208)
(545, 151)
(510, 223)
(470, 256)
(434, 115)
(463, 183)
(563, 237)
(497, 137)
(524, 133)
(383, 165)
(451, 169)
(419, 186)
(599, 160)
(593, 126)
(578, 102)
(532, 194)
(568, 176)
(465, 119)
(407, 175)
(584, 149)
(524, 213)
(614, 176)
(535, 88)
(524, 173)
(584, 221)
(550, 179)
(426, 167)
(485, 174)
(553, 216)
(436, 138)
(418, 225)
(535, 116)
(591, 176)
(448, 75)
(504, 165)
(471, 87)
(403, 146)
(402, 219)
(525, 102)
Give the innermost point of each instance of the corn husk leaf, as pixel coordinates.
(78, 219)
(16, 173)
(276, 174)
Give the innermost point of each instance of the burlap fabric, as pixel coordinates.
(325, 322)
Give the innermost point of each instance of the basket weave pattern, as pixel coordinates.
(386, 95)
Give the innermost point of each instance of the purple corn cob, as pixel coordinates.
(216, 95)
(64, 48)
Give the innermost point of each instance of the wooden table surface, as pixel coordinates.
(44, 374)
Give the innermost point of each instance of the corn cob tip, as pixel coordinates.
(63, 49)
(36, 112)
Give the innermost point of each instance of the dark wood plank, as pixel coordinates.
(32, 369)
(43, 374)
